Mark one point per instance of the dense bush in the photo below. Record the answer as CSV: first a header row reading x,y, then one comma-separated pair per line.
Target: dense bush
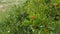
x,y
33,17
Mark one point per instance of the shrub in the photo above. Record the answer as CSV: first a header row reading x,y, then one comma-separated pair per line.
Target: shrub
x,y
33,17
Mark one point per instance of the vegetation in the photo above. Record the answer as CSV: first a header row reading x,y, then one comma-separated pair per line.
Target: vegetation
x,y
31,17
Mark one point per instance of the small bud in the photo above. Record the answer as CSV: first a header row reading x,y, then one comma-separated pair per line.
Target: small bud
x,y
32,17
46,30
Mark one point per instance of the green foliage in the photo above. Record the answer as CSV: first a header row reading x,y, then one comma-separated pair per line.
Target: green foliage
x,y
33,17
